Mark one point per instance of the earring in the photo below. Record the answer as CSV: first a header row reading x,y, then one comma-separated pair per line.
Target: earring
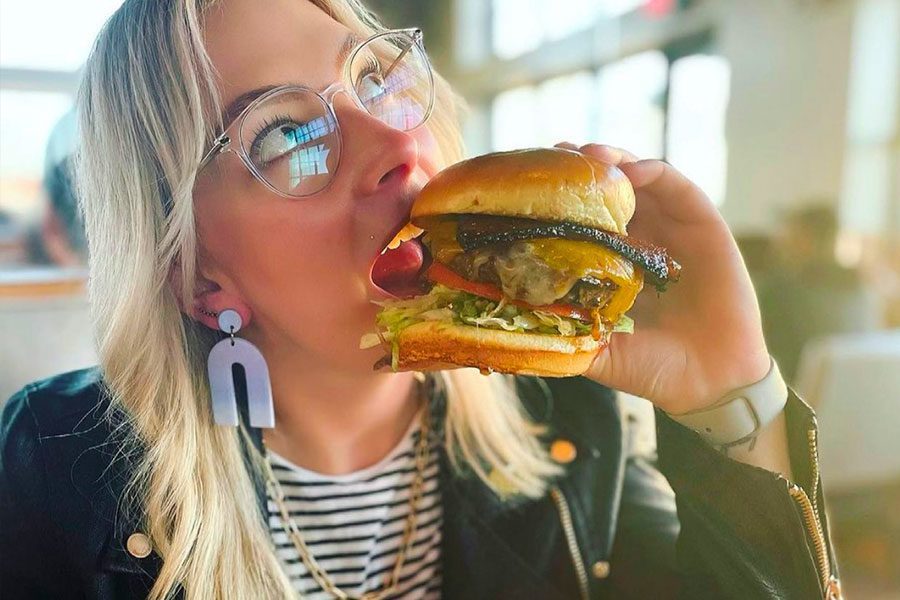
x,y
222,357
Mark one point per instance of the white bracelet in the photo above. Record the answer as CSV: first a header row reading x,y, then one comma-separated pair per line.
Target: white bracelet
x,y
742,413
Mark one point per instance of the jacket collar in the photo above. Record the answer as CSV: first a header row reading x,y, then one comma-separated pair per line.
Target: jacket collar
x,y
491,548
497,549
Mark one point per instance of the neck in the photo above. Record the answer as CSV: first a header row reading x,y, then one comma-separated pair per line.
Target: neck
x,y
335,423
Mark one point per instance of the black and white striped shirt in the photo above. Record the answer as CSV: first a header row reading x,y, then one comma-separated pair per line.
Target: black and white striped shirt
x,y
353,524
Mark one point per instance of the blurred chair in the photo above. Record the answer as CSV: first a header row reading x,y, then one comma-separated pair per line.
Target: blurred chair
x,y
758,252
806,294
46,326
853,381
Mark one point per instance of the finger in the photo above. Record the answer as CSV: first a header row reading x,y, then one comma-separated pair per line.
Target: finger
x,y
658,177
664,191
566,146
609,154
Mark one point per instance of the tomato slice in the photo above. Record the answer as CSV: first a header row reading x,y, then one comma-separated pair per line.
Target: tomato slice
x,y
439,273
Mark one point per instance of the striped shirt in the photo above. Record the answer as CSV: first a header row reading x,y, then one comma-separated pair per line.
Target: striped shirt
x,y
353,524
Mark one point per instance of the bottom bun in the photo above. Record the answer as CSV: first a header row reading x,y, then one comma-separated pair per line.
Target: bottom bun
x,y
431,345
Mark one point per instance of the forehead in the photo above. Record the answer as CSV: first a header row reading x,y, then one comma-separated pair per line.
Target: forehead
x,y
254,43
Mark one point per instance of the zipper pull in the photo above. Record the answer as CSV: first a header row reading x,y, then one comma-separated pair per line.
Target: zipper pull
x,y
833,589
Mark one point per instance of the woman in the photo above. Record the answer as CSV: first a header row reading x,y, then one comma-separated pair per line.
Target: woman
x,y
118,483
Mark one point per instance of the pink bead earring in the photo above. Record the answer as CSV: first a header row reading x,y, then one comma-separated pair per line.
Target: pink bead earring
x,y
222,357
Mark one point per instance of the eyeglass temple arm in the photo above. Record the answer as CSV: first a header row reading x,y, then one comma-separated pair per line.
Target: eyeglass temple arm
x,y
416,35
220,144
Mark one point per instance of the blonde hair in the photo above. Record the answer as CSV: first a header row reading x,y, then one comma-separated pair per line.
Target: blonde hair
x,y
148,109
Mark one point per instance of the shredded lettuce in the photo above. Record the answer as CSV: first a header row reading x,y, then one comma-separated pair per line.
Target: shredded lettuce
x,y
624,325
563,325
454,306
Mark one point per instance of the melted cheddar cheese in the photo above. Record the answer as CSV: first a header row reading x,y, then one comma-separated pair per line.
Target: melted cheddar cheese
x,y
576,259
583,259
440,237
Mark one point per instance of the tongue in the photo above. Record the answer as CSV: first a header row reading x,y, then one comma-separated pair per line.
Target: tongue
x,y
396,271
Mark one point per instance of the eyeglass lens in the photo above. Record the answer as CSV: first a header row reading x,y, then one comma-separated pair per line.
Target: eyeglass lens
x,y
292,139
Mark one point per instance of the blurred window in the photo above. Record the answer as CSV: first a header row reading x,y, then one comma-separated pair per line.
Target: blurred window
x,y
516,27
648,103
698,98
26,119
545,114
513,119
666,102
873,122
630,103
565,109
50,34
520,26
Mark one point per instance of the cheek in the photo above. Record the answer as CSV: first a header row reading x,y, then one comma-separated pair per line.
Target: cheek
x,y
429,152
273,249
295,252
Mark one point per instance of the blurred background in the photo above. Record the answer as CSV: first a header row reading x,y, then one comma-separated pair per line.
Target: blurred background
x,y
787,112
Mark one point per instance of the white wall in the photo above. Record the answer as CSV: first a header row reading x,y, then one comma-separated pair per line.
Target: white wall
x,y
787,115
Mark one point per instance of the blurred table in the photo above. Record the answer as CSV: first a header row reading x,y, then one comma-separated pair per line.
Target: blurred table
x,y
853,382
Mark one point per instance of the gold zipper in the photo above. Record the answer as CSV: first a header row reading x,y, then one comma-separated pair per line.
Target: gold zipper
x,y
814,453
810,512
565,516
814,530
808,508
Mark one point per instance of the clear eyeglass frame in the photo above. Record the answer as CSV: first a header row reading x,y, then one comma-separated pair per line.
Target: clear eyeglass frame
x,y
225,141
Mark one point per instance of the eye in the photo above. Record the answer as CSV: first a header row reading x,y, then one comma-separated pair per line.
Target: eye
x,y
370,83
276,138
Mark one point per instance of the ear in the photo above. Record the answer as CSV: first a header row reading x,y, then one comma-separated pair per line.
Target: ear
x,y
208,296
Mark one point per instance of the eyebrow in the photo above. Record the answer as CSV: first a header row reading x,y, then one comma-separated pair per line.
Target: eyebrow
x,y
237,106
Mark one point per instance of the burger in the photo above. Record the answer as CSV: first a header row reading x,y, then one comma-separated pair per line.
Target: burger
x,y
528,267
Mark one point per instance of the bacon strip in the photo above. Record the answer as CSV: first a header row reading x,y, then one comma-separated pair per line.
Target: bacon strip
x,y
478,231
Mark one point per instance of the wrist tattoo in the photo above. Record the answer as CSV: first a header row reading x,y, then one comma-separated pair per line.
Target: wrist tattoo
x,y
749,442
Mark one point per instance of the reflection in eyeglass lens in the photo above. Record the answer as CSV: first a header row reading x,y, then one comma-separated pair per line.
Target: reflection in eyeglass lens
x,y
395,101
292,140
309,161
391,80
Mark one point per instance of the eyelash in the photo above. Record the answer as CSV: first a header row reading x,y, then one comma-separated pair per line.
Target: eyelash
x,y
371,67
266,128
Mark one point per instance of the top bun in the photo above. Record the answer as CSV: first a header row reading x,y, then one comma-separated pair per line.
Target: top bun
x,y
547,184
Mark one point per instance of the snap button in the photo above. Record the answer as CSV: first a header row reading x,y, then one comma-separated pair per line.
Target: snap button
x,y
138,545
563,451
600,569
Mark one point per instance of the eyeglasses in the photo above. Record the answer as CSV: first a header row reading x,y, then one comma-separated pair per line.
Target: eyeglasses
x,y
290,139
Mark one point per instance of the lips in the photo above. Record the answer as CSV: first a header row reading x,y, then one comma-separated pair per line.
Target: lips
x,y
396,271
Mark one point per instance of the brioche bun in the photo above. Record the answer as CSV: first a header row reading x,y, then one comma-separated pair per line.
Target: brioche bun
x,y
547,184
430,345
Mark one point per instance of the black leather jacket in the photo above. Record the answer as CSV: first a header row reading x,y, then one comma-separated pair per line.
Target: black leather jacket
x,y
607,529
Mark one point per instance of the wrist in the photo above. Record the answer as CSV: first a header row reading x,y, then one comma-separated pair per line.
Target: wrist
x,y
749,370
741,413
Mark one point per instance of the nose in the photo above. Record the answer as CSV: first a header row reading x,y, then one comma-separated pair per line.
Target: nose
x,y
375,154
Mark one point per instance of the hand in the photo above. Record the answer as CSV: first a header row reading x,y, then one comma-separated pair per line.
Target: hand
x,y
702,337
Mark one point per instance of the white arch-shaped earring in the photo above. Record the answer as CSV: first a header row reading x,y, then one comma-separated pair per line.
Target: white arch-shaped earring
x,y
222,358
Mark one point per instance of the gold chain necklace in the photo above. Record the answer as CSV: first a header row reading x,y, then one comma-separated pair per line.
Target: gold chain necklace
x,y
422,456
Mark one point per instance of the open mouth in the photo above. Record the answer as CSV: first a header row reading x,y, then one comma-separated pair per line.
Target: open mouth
x,y
395,272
